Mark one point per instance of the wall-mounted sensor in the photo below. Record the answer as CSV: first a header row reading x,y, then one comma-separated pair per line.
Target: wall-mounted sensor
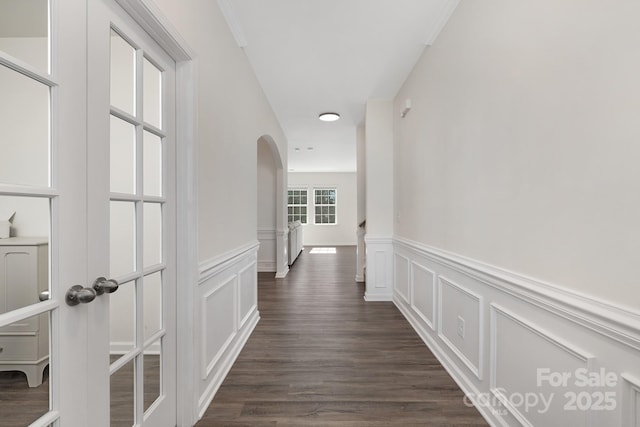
x,y
407,108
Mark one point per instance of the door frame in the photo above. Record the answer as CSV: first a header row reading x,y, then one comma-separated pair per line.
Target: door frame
x,y
148,16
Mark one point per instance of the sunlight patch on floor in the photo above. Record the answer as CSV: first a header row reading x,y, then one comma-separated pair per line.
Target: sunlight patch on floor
x,y
323,251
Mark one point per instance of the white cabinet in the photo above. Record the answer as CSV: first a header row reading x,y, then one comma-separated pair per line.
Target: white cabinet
x,y
295,240
24,275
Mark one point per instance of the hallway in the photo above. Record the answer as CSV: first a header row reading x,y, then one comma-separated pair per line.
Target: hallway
x,y
322,356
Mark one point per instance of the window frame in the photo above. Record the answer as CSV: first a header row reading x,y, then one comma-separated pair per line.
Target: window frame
x,y
298,205
321,205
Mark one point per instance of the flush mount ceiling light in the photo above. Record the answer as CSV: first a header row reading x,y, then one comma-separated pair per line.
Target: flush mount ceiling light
x,y
329,117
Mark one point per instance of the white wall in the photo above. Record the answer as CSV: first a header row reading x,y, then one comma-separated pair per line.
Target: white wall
x,y
361,174
266,208
266,188
344,232
521,148
233,113
517,192
379,167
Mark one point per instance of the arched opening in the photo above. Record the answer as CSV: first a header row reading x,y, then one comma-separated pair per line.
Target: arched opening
x,y
271,212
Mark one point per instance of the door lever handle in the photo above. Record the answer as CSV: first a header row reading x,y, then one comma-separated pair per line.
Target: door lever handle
x,y
77,294
105,286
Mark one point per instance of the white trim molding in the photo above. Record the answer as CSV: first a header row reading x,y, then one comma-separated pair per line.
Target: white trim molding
x,y
233,23
215,265
360,257
531,327
441,20
379,265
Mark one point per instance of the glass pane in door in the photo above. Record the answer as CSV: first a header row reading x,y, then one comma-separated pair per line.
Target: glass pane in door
x,y
122,396
25,32
123,238
123,74
152,234
152,167
24,129
152,94
24,251
24,371
123,156
152,373
122,320
152,304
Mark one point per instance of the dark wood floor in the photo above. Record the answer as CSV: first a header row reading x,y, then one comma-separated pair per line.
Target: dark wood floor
x,y
19,404
322,356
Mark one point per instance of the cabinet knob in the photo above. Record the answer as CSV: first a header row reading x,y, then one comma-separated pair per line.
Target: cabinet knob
x,y
77,295
43,296
105,286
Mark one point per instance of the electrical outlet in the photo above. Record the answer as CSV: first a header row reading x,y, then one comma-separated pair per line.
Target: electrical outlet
x,y
460,327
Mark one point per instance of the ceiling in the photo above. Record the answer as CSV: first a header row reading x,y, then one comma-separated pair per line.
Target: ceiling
x,y
313,56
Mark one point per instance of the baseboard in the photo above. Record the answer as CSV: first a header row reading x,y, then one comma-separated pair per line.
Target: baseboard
x,y
371,297
266,267
498,334
282,274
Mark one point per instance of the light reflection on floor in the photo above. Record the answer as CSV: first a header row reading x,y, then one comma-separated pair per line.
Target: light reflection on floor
x,y
323,251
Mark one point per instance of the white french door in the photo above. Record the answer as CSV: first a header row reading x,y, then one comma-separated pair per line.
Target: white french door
x,y
132,225
87,163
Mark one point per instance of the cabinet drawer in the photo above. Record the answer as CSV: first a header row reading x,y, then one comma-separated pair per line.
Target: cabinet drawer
x,y
18,348
25,325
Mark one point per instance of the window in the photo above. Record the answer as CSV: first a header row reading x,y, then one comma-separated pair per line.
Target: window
x,y
297,205
325,206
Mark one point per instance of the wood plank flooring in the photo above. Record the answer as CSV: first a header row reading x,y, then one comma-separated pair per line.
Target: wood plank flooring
x,y
19,404
322,356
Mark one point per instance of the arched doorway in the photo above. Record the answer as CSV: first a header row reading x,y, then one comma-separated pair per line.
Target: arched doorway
x,y
271,213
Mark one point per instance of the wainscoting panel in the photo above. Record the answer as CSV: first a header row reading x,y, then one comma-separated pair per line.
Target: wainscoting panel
x,y
541,356
631,395
379,260
401,270
516,370
423,293
248,293
219,325
267,254
460,316
228,314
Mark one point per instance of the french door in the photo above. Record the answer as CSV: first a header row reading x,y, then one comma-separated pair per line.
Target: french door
x,y
87,164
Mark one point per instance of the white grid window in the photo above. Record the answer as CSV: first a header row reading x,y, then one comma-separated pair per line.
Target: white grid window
x,y
297,205
325,206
